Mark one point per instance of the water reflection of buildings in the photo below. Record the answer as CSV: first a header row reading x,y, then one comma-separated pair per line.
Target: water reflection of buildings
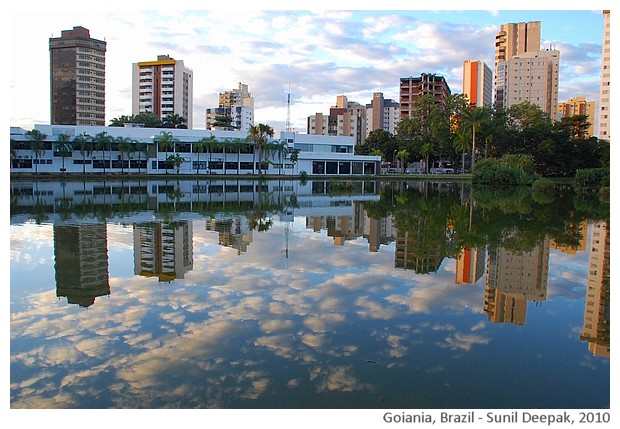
x,y
574,230
81,262
513,279
414,252
163,250
596,328
470,265
232,232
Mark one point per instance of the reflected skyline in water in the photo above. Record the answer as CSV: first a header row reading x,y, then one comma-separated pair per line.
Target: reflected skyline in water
x,y
354,296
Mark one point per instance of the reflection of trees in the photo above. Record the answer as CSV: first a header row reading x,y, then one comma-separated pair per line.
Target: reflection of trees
x,y
440,220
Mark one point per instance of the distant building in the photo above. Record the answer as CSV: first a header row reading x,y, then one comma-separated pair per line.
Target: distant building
x,y
578,106
382,114
238,104
478,83
412,88
603,115
346,118
77,78
163,87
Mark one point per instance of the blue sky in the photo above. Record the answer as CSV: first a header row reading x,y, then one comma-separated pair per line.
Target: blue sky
x,y
315,54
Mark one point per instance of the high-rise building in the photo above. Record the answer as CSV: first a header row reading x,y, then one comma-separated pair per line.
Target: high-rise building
x,y
77,78
603,114
513,39
478,83
163,87
238,104
382,114
533,77
578,106
412,88
81,262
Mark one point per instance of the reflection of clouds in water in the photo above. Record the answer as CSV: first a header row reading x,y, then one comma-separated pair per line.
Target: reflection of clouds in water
x,y
156,344
337,378
460,341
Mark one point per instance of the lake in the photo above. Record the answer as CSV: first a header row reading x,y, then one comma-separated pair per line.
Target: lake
x,y
239,294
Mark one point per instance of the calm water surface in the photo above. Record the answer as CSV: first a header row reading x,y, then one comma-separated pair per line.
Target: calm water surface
x,y
280,294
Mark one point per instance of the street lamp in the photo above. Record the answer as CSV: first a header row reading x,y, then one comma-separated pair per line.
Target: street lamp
x,y
394,158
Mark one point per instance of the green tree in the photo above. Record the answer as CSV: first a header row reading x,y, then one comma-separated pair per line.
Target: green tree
x,y
175,160
200,147
166,141
64,148
223,122
37,145
174,120
148,119
121,121
294,157
141,148
259,135
84,143
125,146
403,154
103,142
473,119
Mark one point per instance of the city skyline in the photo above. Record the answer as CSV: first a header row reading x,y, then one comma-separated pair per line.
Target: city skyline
x,y
314,55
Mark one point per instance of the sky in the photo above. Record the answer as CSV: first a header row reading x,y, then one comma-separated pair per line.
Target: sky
x,y
314,54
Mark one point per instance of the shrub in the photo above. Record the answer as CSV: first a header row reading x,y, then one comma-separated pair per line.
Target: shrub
x,y
510,170
591,179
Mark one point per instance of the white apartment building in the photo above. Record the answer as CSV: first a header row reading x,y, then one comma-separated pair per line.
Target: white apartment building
x,y
532,77
163,87
603,116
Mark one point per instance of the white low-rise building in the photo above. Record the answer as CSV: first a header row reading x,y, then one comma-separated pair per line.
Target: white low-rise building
x,y
134,149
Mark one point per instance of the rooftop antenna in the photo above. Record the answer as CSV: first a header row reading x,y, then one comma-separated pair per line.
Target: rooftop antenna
x,y
288,110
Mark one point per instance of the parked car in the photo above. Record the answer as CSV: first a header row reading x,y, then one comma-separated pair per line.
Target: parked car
x,y
442,167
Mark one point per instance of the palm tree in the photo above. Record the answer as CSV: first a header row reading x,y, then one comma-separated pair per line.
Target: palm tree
x,y
121,121
473,118
260,134
141,148
461,143
199,147
37,145
124,146
166,141
403,154
85,145
294,157
174,120
64,147
103,142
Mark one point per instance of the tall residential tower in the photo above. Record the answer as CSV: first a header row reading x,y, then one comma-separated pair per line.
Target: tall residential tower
x,y
77,78
513,39
603,114
478,83
163,87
